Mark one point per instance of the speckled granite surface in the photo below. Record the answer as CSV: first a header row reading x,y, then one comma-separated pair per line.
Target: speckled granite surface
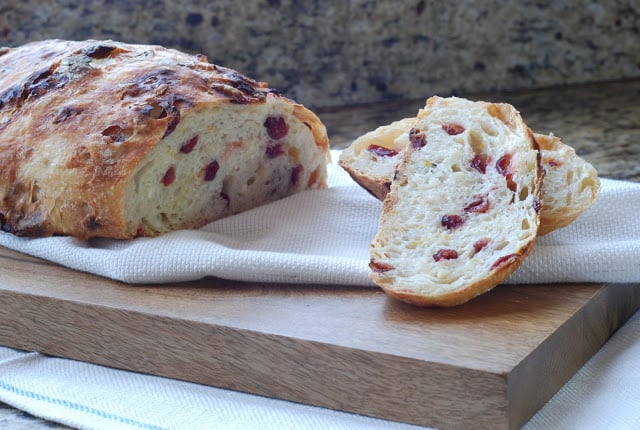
x,y
333,52
601,121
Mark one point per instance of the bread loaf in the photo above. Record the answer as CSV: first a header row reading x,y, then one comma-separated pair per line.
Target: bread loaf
x,y
463,208
107,139
570,186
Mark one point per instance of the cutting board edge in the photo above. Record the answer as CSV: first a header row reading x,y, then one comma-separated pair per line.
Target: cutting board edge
x,y
370,397
522,380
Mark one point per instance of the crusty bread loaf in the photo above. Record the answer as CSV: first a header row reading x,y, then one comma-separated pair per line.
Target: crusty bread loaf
x,y
570,186
463,209
106,139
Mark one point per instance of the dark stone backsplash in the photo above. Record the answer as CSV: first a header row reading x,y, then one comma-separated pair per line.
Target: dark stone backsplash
x,y
330,53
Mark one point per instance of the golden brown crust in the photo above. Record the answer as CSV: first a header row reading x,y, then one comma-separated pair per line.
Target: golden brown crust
x,y
378,188
460,297
77,117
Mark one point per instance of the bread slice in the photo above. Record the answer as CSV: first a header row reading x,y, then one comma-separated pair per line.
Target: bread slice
x,y
570,187
463,209
571,184
106,139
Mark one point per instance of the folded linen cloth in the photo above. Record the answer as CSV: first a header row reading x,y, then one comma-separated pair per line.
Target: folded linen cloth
x,y
604,393
323,236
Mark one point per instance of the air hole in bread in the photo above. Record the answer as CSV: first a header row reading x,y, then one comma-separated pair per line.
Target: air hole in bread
x,y
501,245
294,153
455,168
476,142
498,112
587,183
117,133
155,111
524,193
36,193
569,177
525,224
488,128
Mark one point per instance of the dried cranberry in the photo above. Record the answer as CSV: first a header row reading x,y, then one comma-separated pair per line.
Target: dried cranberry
x,y
445,254
503,163
211,170
188,146
417,139
553,163
480,244
382,151
480,205
169,176
451,221
174,119
479,162
452,129
505,258
295,174
380,267
503,167
274,149
276,126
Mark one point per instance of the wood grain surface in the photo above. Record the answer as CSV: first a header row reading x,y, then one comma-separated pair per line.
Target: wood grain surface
x,y
489,364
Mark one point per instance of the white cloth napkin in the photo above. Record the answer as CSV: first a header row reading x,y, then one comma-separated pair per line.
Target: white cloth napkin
x,y
323,236
603,394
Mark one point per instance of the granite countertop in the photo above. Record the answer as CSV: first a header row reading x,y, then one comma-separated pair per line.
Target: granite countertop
x,y
601,121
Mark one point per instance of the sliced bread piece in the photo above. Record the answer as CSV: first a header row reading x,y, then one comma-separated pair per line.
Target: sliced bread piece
x,y
463,209
570,187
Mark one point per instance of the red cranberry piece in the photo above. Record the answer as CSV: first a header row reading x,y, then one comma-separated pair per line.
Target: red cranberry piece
x,y
479,162
452,129
504,259
211,170
274,149
553,163
382,151
276,126
169,176
451,221
503,167
480,205
445,254
503,163
417,139
378,267
188,146
481,244
295,174
173,121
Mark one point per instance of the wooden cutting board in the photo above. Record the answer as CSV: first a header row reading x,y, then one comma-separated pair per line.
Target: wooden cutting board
x,y
489,364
